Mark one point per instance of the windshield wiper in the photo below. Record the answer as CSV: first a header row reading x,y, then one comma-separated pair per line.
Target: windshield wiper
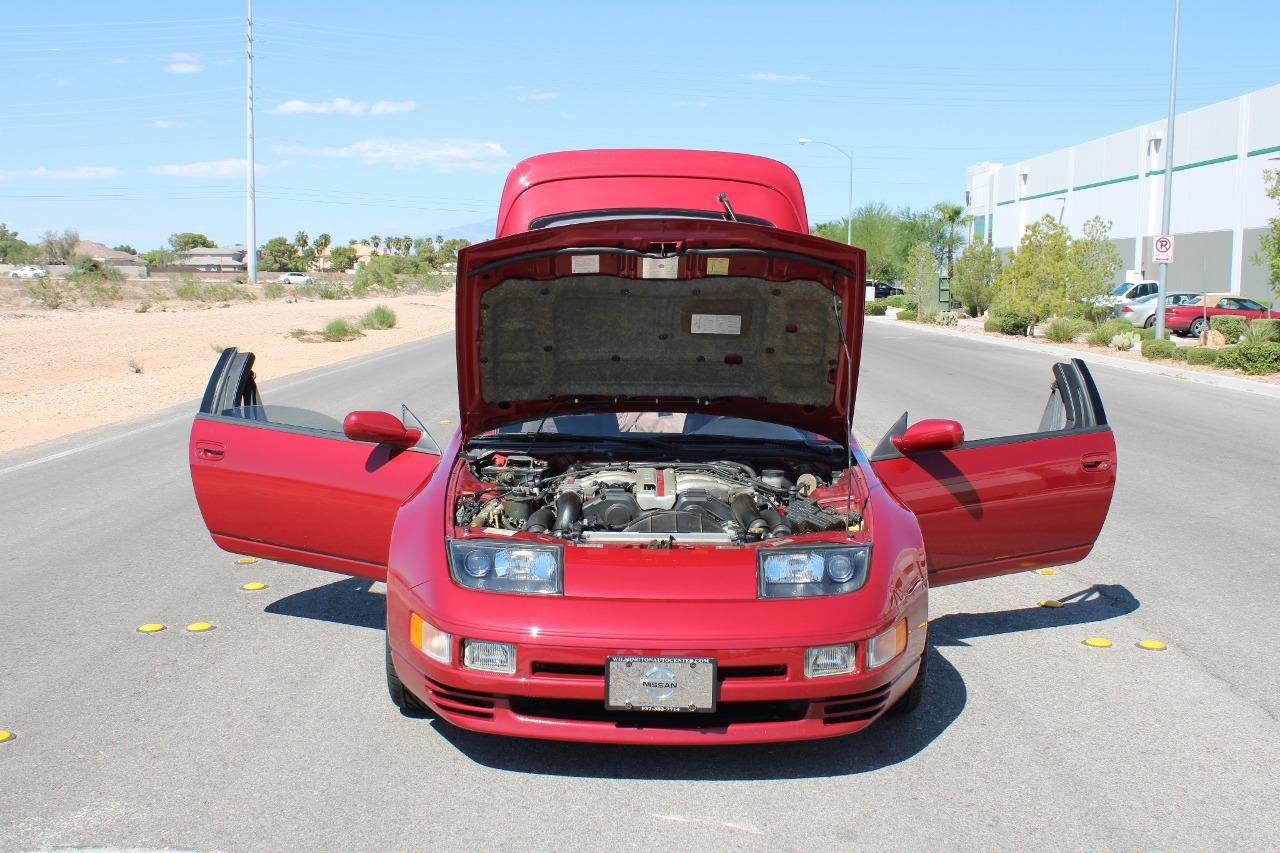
x,y
728,208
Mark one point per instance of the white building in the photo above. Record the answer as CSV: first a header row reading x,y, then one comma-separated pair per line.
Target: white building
x,y
1219,211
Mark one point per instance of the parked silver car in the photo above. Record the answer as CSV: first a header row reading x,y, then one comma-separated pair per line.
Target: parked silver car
x,y
29,272
1142,311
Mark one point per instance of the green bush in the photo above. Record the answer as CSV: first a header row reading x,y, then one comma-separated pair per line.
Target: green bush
x,y
900,300
379,317
1231,327
875,308
50,292
196,290
1201,355
1158,349
1253,359
1263,331
1146,333
340,330
906,314
948,318
991,324
1103,333
1063,330
1014,324
1180,353
273,290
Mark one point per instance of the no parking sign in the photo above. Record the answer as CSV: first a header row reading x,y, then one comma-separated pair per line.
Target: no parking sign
x,y
1162,249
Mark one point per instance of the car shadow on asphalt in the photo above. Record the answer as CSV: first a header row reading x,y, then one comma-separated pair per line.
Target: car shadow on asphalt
x,y
889,741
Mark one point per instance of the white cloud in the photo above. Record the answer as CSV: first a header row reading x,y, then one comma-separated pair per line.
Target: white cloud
x,y
184,68
76,173
443,154
343,106
538,96
207,169
383,108
166,123
778,78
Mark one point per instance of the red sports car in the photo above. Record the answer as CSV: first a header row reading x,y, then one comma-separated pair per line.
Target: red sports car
x,y
1193,318
652,525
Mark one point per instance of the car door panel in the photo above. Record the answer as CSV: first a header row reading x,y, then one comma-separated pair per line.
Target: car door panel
x,y
295,494
1004,505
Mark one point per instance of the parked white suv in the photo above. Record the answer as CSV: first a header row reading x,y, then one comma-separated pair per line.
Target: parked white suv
x,y
29,272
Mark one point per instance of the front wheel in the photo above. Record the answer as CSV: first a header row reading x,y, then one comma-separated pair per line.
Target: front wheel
x,y
911,699
1197,326
402,698
1151,321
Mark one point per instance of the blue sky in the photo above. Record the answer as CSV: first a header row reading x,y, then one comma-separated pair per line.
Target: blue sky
x,y
126,121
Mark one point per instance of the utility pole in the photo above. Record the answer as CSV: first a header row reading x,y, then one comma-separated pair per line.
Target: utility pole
x,y
1162,276
251,235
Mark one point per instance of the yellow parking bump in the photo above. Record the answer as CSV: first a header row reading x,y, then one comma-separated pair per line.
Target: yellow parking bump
x,y
1051,602
1098,642
444,420
151,628
1152,645
197,627
923,624
6,736
1046,571
253,586
244,561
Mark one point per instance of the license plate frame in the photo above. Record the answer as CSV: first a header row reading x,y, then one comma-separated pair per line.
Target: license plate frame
x,y
695,689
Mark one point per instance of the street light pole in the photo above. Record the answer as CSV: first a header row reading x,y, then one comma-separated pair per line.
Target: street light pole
x,y
1168,167
849,221
251,213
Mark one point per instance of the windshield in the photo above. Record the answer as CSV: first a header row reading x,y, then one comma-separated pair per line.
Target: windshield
x,y
657,424
1120,289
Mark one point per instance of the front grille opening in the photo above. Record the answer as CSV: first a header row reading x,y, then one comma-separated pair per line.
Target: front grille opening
x,y
722,673
726,714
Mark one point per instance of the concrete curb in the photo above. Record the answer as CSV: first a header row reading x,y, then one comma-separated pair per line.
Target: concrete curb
x,y
1233,383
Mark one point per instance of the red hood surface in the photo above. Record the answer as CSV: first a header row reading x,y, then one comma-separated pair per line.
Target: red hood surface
x,y
718,317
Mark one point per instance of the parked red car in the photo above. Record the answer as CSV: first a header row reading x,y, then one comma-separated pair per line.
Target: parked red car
x,y
1193,318
651,525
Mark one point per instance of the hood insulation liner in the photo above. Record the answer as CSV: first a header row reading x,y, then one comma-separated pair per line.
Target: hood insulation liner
x,y
702,338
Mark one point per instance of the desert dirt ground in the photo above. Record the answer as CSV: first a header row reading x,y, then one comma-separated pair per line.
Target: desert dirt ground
x,y
64,371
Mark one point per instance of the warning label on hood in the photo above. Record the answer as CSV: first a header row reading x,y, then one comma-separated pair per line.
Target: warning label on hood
x,y
716,324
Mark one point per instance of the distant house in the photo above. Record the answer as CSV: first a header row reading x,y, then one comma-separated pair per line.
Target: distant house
x,y
104,255
221,259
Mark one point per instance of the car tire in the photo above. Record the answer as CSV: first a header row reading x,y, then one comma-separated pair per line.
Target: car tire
x,y
400,697
1151,321
1197,326
911,699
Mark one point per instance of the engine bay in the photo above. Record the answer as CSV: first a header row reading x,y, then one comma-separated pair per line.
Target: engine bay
x,y
648,502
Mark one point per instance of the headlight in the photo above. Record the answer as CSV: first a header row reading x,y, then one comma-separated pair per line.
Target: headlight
x,y
506,566
804,572
887,645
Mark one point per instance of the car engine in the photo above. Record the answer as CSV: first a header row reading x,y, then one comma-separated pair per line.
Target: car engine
x,y
650,502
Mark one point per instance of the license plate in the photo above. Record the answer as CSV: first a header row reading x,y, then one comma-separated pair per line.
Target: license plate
x,y
660,684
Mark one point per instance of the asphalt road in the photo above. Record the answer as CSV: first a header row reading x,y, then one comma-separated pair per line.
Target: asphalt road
x,y
274,731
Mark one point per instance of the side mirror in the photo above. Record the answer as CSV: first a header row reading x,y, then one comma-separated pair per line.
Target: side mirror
x,y
929,434
379,428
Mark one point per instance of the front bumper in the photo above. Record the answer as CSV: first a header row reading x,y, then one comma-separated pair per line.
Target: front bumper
x,y
558,693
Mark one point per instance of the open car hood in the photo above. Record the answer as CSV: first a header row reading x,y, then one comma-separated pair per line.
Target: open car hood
x,y
668,314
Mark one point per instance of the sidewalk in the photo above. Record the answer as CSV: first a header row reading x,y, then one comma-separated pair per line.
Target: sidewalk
x,y
1234,383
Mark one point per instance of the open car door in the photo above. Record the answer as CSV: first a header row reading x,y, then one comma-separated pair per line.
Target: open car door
x,y
288,485
1002,505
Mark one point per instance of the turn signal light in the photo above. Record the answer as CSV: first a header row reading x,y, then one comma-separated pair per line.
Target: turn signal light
x,y
887,645
429,639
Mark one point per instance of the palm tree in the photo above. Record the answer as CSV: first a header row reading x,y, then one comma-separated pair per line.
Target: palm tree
x,y
375,241
301,240
952,217
322,244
